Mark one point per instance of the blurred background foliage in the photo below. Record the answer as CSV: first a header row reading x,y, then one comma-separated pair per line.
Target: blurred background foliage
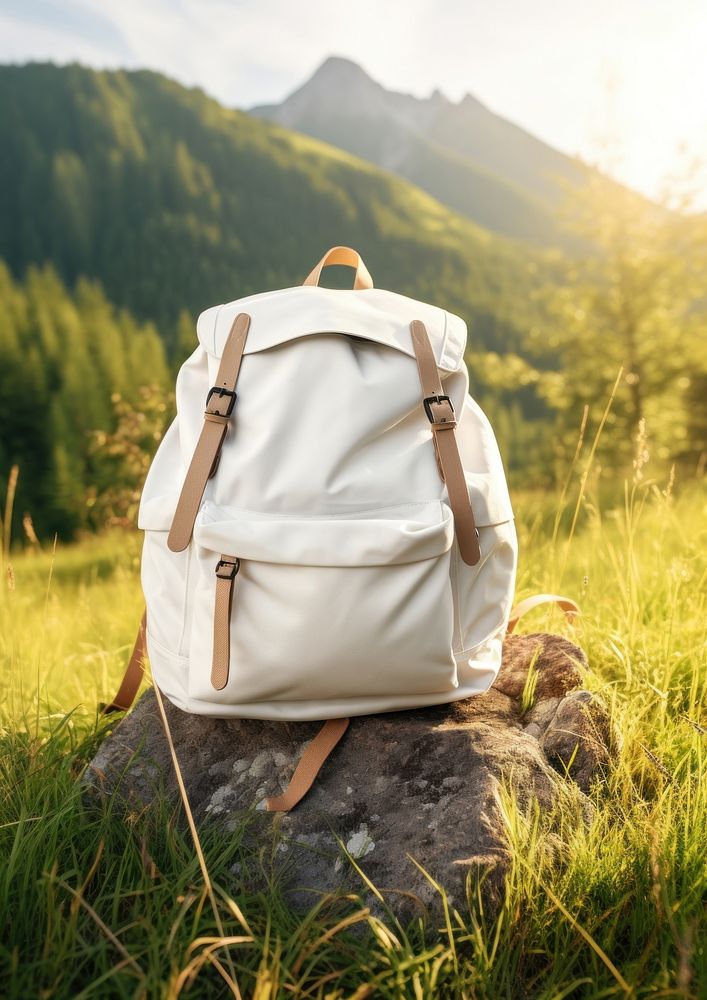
x,y
129,203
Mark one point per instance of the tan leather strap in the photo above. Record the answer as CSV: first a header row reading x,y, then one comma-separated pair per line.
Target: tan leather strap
x,y
226,570
309,766
348,258
219,407
133,675
523,607
440,413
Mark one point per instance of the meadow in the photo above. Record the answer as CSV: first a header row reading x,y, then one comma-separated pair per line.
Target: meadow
x,y
96,904
130,203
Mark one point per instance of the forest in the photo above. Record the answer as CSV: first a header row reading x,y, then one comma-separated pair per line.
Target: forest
x,y
129,203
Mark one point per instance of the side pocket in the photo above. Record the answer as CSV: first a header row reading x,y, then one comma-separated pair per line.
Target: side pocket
x,y
484,593
169,671
165,584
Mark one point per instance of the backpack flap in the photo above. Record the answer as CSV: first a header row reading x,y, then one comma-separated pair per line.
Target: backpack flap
x,y
374,314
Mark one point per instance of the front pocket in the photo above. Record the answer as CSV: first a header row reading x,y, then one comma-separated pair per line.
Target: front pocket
x,y
327,607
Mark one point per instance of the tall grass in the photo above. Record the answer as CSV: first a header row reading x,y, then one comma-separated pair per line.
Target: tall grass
x,y
96,905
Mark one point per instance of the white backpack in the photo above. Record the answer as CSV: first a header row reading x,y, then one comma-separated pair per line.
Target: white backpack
x,y
328,530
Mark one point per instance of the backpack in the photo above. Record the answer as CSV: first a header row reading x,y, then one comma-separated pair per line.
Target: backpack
x,y
328,529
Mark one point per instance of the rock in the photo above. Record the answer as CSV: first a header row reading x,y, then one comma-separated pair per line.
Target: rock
x,y
422,784
559,665
579,740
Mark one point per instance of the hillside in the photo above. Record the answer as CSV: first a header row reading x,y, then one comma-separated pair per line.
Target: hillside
x,y
471,159
175,202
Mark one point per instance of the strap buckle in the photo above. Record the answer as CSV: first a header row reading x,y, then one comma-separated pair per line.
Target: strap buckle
x,y
449,421
221,391
226,569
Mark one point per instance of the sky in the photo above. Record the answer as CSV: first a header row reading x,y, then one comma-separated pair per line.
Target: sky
x,y
622,83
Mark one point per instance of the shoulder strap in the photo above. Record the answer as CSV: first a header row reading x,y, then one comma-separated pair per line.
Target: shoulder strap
x,y
219,406
523,607
440,414
133,675
309,766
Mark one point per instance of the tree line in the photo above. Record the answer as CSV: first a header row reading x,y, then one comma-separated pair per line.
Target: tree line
x,y
66,360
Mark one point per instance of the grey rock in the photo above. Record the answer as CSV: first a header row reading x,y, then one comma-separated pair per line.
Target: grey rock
x,y
580,740
540,715
420,785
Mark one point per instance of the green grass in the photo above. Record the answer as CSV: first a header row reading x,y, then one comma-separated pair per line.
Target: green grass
x,y
94,905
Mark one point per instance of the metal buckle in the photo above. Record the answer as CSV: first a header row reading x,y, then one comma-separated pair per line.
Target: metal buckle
x,y
427,402
226,569
221,391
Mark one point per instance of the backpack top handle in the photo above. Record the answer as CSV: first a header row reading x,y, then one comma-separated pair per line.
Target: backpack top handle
x,y
348,258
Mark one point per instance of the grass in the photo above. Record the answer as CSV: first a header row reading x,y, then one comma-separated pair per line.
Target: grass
x,y
94,905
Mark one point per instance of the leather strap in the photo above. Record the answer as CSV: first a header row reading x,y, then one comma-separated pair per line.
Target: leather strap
x,y
523,607
226,570
309,766
219,407
440,413
133,675
348,258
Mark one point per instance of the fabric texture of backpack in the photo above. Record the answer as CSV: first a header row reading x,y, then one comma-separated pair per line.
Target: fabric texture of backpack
x,y
328,530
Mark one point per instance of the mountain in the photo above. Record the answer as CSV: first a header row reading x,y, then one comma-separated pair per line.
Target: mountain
x,y
471,159
174,202
167,203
